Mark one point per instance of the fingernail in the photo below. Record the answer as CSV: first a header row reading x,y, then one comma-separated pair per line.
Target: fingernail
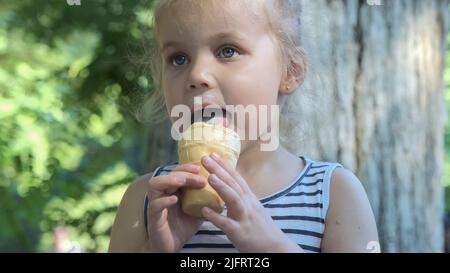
x,y
215,156
207,160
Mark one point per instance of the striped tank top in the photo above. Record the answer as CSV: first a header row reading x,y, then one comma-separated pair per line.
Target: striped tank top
x,y
299,210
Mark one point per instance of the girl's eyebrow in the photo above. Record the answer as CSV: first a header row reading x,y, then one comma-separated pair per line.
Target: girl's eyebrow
x,y
234,35
170,44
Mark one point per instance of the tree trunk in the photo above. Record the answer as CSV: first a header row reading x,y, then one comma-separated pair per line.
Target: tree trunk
x,y
377,72
374,99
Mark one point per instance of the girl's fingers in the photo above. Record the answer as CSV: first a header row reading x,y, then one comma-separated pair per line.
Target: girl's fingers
x,y
232,199
213,167
231,171
157,206
226,224
169,184
191,168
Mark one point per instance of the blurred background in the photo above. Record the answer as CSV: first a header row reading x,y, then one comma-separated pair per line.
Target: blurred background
x,y
69,141
72,76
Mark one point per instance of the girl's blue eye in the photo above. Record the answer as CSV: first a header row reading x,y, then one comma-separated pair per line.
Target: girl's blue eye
x,y
178,60
228,52
225,52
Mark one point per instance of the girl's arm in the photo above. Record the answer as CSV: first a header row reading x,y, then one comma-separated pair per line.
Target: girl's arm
x,y
128,232
350,223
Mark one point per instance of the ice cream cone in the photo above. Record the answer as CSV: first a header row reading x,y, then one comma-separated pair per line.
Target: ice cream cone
x,y
199,140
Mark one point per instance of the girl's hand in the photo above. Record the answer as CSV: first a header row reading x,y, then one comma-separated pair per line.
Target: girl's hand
x,y
169,227
247,224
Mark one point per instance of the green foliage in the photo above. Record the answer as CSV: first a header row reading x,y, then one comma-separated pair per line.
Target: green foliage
x,y
69,143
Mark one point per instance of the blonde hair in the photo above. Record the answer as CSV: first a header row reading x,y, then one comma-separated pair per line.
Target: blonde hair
x,y
283,23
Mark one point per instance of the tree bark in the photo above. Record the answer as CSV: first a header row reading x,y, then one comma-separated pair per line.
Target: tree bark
x,y
377,75
374,102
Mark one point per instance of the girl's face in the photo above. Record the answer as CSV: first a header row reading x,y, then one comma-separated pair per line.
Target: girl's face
x,y
226,56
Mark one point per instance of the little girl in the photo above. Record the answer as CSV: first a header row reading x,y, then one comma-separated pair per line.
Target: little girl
x,y
243,52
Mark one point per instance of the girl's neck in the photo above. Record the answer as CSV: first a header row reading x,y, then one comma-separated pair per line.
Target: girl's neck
x,y
268,171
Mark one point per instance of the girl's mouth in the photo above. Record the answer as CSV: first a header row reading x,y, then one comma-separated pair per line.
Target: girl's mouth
x,y
211,116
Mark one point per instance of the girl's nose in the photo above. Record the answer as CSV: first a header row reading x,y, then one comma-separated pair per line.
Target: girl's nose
x,y
197,85
200,78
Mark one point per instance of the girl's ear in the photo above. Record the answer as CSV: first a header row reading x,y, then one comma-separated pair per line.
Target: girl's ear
x,y
294,75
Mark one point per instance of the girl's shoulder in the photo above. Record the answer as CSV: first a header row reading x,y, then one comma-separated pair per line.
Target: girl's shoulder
x,y
350,216
334,173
